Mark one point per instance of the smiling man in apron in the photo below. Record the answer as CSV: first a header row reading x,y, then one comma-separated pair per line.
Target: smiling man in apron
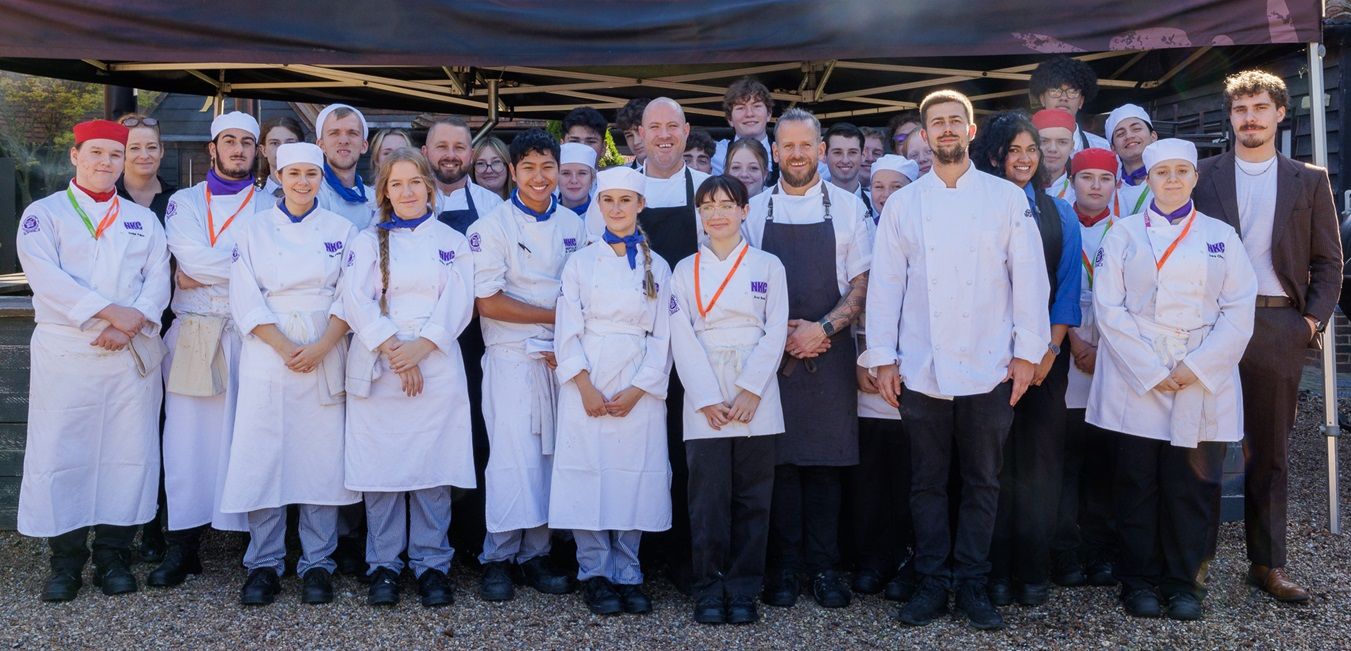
x,y
818,230
99,269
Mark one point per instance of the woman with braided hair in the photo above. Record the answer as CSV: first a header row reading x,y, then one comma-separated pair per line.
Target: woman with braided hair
x,y
611,474
408,292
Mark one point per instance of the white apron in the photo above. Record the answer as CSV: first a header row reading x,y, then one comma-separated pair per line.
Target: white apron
x,y
1090,239
519,406
612,473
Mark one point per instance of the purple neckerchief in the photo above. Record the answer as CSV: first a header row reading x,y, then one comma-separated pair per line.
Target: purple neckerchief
x,y
1135,178
1174,216
220,186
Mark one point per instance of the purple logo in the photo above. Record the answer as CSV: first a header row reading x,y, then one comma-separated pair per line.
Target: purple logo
x,y
447,257
1215,248
171,210
1028,214
474,241
132,226
333,248
30,224
570,244
1097,259
234,253
351,258
675,305
759,287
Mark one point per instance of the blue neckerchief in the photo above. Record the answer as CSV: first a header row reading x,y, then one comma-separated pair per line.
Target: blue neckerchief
x,y
630,243
1172,217
1135,178
581,210
395,221
539,216
281,204
349,195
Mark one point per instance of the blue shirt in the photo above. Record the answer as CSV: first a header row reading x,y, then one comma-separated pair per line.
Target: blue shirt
x,y
1065,306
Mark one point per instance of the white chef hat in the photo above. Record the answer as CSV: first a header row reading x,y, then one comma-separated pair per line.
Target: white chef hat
x,y
234,120
300,152
900,164
1169,149
323,115
1125,112
621,178
576,152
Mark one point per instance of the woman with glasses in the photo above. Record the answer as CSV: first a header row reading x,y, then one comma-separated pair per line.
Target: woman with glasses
x,y
140,180
490,166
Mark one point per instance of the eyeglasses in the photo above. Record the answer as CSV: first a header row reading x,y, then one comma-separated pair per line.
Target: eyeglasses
x,y
139,122
1066,93
723,207
484,166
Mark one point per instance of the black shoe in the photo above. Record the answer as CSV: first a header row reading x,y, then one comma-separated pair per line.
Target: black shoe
x,y
1184,606
152,548
496,584
114,578
261,588
899,588
601,597
178,563
781,589
1069,574
1141,603
1100,574
830,590
62,585
1000,591
350,557
435,588
867,582
633,599
384,590
929,603
318,586
1032,594
541,577
974,601
742,610
709,610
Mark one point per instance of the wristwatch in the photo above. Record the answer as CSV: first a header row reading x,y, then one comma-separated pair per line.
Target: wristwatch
x,y
828,327
1055,350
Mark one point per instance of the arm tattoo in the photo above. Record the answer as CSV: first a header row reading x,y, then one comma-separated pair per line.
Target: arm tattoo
x,y
850,306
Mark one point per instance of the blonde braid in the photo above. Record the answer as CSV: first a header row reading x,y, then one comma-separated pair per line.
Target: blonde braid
x,y
649,283
383,234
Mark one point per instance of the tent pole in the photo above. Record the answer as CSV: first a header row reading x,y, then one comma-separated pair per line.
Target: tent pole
x,y
1331,429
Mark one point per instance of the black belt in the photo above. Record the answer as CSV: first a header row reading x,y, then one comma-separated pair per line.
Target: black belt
x,y
1274,301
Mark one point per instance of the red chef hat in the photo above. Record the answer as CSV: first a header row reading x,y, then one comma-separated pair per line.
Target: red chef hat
x,y
1094,158
96,129
1052,118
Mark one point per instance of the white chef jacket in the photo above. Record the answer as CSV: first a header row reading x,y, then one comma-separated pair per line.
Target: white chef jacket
x,y
485,200
657,193
185,224
360,214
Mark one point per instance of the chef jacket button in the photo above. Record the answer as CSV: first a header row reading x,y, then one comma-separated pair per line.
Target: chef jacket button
x,y
969,282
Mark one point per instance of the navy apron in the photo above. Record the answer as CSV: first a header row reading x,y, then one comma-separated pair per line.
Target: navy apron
x,y
819,395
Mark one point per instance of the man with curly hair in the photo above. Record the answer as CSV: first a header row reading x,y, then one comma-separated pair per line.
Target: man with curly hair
x,y
1067,84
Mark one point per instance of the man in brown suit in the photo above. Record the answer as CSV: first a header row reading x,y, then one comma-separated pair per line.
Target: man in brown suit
x,y
1283,211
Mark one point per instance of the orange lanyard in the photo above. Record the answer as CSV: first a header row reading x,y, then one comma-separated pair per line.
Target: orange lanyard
x,y
1158,266
698,295
211,223
1064,187
108,217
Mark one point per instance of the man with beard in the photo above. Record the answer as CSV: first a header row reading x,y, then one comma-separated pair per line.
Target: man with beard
x,y
960,249
459,203
199,411
1284,212
342,135
821,233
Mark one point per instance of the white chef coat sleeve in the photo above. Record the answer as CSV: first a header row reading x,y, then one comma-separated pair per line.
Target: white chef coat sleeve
x,y
1214,361
246,298
1117,330
361,292
569,323
36,245
886,289
455,305
753,229
691,360
859,258
337,309
191,244
154,296
1030,285
654,375
763,362
488,245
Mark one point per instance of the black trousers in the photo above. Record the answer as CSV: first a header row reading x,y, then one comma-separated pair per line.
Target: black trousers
x,y
804,519
469,526
70,550
731,485
972,428
671,548
1168,513
1030,481
878,495
1085,528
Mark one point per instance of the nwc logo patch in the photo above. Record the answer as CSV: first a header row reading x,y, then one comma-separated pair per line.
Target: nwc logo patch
x,y
447,257
333,248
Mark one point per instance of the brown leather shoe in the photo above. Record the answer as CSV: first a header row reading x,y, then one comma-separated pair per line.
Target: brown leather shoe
x,y
1275,582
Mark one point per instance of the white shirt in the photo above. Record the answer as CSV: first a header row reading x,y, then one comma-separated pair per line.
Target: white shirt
x,y
967,265
1062,188
853,246
522,258
720,154
1094,140
658,193
186,226
1256,184
485,200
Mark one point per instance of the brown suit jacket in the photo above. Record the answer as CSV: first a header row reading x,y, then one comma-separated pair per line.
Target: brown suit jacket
x,y
1306,245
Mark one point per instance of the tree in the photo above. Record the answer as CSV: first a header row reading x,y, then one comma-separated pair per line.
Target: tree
x,y
36,114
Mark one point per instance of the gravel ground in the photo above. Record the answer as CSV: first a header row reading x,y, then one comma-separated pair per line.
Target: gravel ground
x,y
203,613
